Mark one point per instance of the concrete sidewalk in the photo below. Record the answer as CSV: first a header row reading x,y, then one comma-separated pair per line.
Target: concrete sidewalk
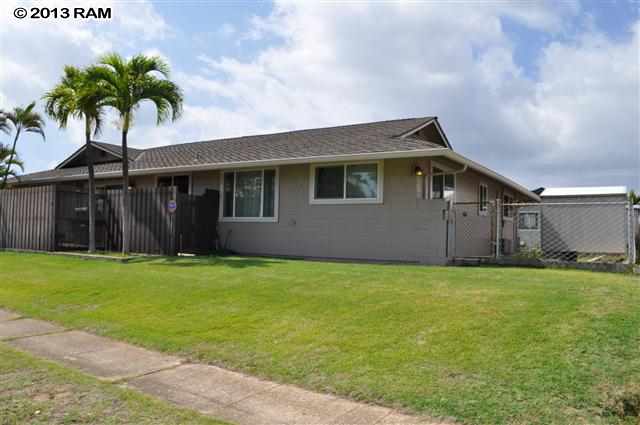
x,y
210,390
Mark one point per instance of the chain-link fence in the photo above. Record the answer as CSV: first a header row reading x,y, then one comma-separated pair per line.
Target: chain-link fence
x,y
589,232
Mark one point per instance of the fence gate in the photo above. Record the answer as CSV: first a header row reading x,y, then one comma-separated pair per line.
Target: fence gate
x,y
588,232
196,219
153,228
475,229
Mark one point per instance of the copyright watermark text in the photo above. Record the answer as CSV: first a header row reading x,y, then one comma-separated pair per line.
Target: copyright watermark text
x,y
62,13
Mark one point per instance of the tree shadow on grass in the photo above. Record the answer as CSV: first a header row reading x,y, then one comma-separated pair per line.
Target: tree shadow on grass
x,y
214,261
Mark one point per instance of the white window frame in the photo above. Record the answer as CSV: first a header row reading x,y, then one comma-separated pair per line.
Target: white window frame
x,y
190,175
483,207
444,173
537,213
344,200
260,219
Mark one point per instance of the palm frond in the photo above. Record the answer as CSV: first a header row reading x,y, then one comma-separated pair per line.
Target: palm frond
x,y
4,123
165,95
127,84
26,119
78,95
141,65
7,159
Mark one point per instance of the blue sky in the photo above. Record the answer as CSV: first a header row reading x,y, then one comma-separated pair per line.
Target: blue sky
x,y
544,92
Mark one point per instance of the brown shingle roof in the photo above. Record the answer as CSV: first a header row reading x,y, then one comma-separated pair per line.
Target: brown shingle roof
x,y
375,137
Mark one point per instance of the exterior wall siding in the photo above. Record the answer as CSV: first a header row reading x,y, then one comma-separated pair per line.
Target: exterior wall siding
x,y
402,228
474,231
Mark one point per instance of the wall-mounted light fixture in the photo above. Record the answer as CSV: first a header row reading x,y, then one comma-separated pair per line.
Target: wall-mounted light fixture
x,y
418,171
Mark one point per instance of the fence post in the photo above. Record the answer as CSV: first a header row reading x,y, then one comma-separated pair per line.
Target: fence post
x,y
174,228
631,244
498,226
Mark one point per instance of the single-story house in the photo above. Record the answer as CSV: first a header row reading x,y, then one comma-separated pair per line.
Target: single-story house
x,y
376,191
573,221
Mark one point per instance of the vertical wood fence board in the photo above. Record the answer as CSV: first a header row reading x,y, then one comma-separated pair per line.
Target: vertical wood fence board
x,y
48,218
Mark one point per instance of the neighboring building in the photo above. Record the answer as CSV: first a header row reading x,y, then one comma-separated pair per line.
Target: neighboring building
x,y
375,191
585,194
576,220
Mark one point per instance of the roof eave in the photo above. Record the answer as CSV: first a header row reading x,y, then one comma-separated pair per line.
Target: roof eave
x,y
417,153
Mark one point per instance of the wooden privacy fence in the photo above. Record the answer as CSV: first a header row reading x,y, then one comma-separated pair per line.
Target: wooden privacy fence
x,y
27,218
63,215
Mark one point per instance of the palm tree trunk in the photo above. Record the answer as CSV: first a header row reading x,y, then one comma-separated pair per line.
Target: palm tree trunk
x,y
92,188
13,152
125,188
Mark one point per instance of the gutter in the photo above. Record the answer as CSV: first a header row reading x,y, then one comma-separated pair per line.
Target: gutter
x,y
416,153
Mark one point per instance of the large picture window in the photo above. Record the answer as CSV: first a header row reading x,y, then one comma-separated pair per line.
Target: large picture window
x,y
249,195
346,183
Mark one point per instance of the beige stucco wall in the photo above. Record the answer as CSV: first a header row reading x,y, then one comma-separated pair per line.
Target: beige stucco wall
x,y
402,228
474,231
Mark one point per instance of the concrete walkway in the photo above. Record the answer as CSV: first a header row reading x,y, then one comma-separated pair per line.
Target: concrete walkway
x,y
210,390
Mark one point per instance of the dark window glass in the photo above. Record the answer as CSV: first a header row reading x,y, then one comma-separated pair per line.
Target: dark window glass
x,y
483,198
330,182
228,194
268,201
248,193
182,183
362,181
437,187
449,186
164,181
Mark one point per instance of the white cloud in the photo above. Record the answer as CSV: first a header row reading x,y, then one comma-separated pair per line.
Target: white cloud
x,y
34,53
357,61
575,122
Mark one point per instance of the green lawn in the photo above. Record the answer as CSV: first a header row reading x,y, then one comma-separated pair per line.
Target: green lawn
x,y
34,391
482,345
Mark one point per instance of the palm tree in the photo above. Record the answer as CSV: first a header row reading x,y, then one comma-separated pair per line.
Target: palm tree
x,y
22,119
77,96
7,160
4,124
129,83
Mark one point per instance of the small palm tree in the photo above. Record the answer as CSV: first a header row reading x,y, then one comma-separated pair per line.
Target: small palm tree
x,y
4,124
127,84
78,96
8,160
22,119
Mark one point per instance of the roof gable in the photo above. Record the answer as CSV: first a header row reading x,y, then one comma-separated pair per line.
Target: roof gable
x,y
430,131
104,153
